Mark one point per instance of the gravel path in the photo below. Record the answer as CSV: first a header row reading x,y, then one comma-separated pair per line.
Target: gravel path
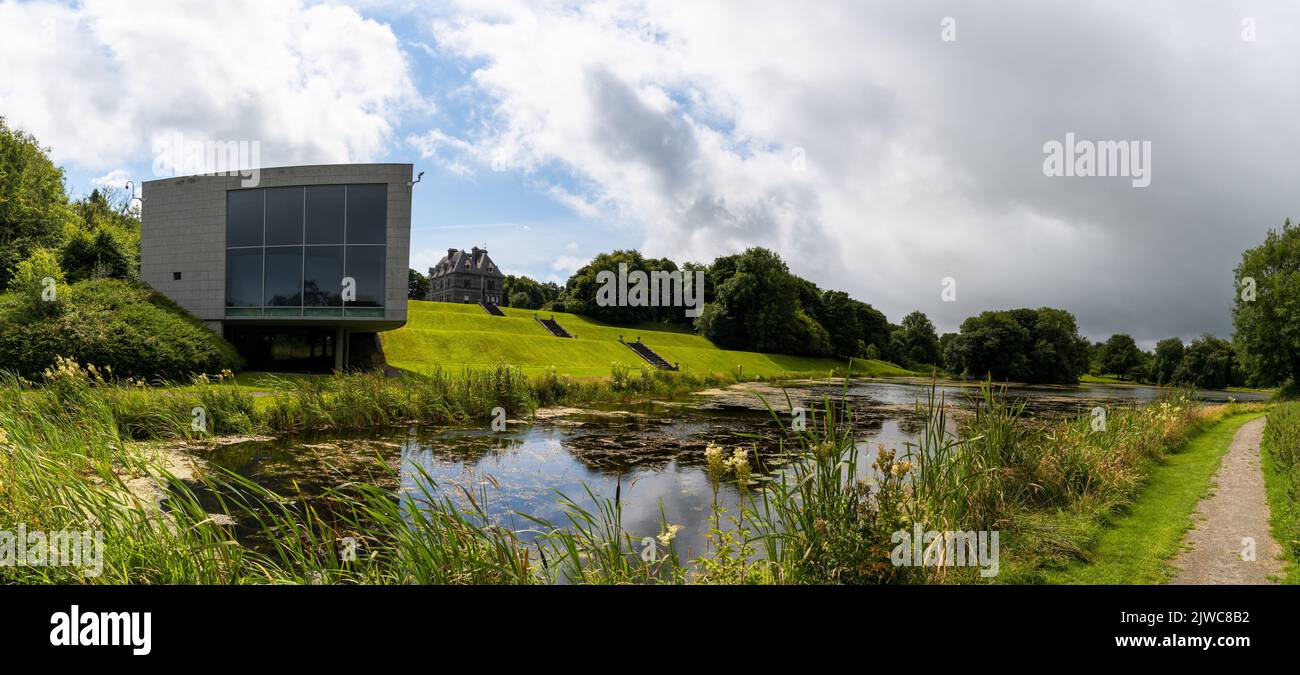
x,y
1237,509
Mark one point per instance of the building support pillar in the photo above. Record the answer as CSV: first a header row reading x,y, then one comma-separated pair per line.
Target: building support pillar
x,y
340,348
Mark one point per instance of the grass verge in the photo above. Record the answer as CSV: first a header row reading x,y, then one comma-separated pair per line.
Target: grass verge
x,y
1136,547
1279,453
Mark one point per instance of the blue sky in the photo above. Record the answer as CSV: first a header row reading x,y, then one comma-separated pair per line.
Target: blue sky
x,y
525,229
873,149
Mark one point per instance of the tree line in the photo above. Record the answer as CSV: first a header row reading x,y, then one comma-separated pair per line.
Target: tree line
x,y
96,236
753,302
96,311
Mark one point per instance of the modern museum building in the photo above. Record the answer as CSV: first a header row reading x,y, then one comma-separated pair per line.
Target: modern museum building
x,y
299,271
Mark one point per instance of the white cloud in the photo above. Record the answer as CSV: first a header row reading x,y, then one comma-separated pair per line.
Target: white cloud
x,y
100,82
569,264
116,179
917,159
447,150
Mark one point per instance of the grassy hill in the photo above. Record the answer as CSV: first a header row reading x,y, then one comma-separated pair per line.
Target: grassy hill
x,y
454,335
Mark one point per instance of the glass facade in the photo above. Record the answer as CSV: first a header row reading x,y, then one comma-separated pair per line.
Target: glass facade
x,y
298,251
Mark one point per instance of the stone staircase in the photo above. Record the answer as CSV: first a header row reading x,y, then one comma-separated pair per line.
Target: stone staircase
x,y
491,308
554,326
648,354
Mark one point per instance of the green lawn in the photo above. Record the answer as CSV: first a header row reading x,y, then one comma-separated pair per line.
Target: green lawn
x,y
1105,379
1115,379
1137,547
455,335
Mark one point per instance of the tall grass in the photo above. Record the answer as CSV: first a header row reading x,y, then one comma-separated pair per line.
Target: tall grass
x,y
338,402
1281,459
822,521
68,462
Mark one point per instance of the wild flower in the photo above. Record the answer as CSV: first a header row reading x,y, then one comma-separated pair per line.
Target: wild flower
x,y
715,464
739,465
669,534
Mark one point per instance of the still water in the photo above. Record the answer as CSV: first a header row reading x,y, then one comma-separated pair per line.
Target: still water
x,y
652,454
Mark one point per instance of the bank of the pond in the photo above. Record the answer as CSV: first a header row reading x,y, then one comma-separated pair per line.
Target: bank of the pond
x,y
1135,543
70,458
1280,461
228,405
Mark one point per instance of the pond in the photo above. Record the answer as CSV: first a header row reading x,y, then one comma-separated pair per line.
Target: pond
x,y
652,454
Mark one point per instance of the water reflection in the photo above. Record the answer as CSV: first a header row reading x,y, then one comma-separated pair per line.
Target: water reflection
x,y
654,451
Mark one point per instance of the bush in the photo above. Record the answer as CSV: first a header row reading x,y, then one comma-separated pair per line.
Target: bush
x,y
1281,448
36,283
123,327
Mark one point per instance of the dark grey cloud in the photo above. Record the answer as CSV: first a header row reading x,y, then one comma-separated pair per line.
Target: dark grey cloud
x,y
924,157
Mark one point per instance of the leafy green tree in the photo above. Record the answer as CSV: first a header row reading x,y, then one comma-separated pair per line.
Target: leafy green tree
x,y
1095,351
760,297
580,292
949,344
853,325
1266,316
34,211
810,297
1023,345
97,255
417,285
873,327
1058,353
840,318
38,282
1208,363
1120,356
526,293
1168,356
994,345
915,341
111,212
1249,372
757,307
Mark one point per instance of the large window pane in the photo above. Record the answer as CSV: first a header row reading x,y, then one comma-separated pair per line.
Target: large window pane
x,y
283,216
365,264
283,276
325,214
368,214
244,277
323,279
244,218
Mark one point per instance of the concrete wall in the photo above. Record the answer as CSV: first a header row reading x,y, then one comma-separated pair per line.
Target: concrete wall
x,y
183,229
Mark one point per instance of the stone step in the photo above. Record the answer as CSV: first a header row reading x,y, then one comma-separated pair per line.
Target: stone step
x,y
553,326
648,354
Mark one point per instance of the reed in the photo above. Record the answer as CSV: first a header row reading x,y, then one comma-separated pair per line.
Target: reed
x,y
1280,448
69,461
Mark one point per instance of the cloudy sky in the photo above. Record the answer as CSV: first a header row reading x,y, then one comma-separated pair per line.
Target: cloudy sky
x,y
879,146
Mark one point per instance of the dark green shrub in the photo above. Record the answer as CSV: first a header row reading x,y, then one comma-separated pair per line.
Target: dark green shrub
x,y
123,327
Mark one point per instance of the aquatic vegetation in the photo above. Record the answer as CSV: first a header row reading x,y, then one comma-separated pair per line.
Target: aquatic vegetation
x,y
69,461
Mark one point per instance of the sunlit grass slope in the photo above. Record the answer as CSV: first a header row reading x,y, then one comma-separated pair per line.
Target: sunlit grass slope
x,y
454,336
